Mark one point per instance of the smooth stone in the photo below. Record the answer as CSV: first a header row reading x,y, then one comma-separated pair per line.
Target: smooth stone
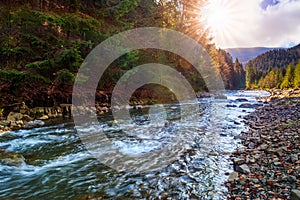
x,y
44,117
263,146
34,124
248,105
243,169
213,154
13,116
241,100
231,106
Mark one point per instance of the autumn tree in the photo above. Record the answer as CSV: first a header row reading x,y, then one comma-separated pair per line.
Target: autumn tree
x,y
288,78
297,76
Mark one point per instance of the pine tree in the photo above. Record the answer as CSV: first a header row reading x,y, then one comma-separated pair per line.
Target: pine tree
x,y
250,75
297,76
288,78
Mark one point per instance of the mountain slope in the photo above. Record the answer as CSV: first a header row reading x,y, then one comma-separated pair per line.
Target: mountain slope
x,y
244,55
279,58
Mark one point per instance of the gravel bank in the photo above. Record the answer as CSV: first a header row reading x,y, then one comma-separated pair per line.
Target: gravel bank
x,y
267,164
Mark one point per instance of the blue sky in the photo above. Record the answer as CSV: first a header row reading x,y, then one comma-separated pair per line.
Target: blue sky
x,y
264,4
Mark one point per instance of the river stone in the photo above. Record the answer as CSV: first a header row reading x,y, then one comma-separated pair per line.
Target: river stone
x,y
34,124
234,176
241,100
243,169
295,195
294,157
231,106
238,161
248,105
263,146
5,123
13,116
44,117
11,159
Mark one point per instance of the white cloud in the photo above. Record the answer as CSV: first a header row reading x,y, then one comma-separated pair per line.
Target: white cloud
x,y
251,26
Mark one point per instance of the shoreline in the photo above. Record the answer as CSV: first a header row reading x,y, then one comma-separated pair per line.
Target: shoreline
x,y
267,163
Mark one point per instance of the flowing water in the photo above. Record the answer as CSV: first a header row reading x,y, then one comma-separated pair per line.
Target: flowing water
x,y
58,166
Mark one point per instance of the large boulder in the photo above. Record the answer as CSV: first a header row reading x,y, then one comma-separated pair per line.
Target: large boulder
x,y
14,116
11,159
34,124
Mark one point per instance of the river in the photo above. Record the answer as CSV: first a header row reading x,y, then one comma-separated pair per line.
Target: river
x,y
58,166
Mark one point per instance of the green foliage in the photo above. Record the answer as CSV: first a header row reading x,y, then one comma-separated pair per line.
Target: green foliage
x,y
71,59
129,60
288,78
122,7
250,75
1,112
297,76
271,80
64,76
276,58
21,77
238,75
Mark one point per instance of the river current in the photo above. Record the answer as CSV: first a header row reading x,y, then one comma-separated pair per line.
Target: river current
x,y
58,166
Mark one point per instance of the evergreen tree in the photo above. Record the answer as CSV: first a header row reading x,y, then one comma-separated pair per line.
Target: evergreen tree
x,y
297,76
250,75
288,78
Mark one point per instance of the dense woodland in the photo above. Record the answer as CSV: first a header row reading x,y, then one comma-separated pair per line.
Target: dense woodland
x,y
275,69
43,43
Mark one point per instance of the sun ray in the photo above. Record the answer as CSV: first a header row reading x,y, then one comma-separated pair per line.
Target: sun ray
x,y
221,17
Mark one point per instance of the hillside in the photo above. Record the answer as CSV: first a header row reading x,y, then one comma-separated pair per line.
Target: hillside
x,y
244,55
43,43
279,58
275,69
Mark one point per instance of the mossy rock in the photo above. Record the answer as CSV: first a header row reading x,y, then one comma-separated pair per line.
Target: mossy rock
x,y
11,159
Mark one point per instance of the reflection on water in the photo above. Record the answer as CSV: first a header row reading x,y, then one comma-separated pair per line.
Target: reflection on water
x,y
59,167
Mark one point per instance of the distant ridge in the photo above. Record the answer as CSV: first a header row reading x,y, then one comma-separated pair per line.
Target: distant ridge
x,y
279,58
246,54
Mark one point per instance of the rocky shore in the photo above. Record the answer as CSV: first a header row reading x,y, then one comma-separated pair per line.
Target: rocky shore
x,y
267,164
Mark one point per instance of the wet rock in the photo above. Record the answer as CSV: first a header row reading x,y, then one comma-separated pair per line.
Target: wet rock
x,y
10,158
231,106
243,169
220,96
213,153
248,105
241,100
34,124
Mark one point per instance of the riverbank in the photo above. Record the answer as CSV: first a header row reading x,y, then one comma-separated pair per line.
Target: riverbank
x,y
267,164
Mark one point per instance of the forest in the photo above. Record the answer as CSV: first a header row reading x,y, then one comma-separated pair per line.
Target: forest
x,y
43,43
274,69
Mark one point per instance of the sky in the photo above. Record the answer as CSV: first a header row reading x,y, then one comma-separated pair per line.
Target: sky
x,y
256,23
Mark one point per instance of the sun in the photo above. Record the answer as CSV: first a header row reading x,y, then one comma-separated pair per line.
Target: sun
x,y
220,17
